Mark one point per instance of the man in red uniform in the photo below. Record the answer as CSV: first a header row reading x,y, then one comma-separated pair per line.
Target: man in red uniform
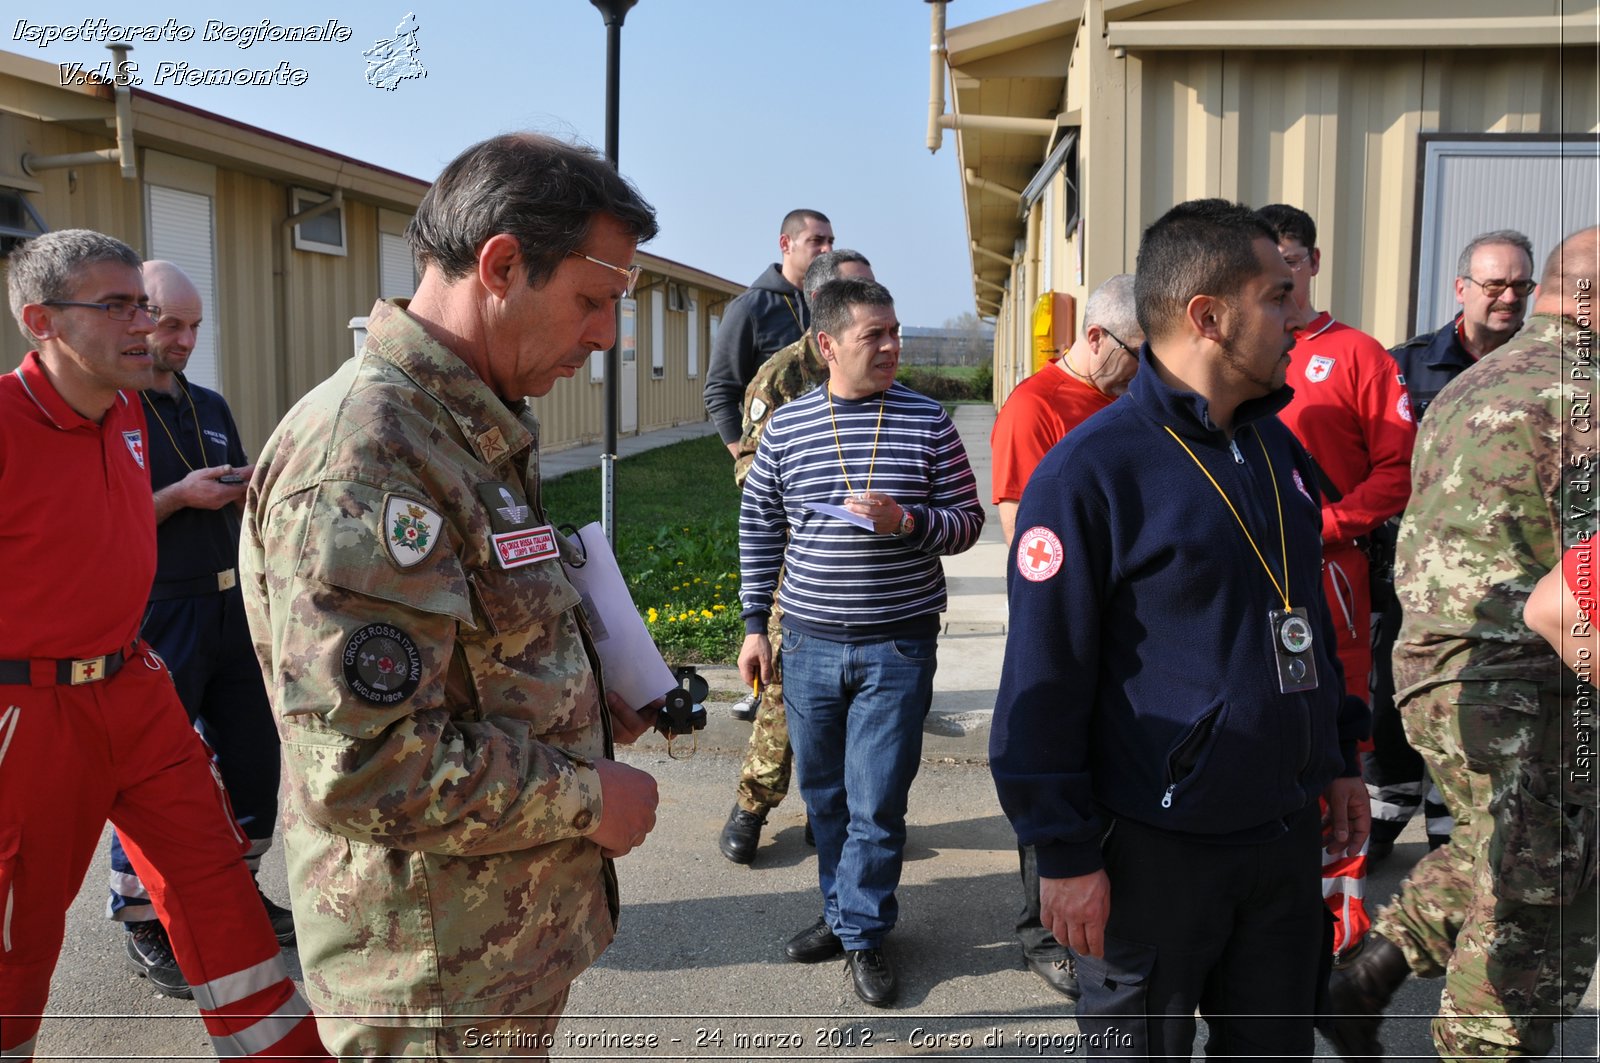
x,y
90,724
1351,412
1052,402
1039,412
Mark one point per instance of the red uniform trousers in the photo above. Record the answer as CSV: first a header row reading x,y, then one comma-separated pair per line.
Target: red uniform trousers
x,y
122,748
1344,582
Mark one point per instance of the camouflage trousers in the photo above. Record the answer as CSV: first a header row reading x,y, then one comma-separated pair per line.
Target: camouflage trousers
x,y
764,776
525,1036
1489,911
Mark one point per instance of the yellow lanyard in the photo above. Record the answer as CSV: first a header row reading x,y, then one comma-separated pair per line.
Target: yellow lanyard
x,y
839,450
204,460
794,314
1282,548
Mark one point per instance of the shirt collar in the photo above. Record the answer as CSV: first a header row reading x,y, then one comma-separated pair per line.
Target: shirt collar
x,y
1187,412
49,402
489,424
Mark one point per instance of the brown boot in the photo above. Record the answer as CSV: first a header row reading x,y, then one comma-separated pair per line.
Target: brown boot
x,y
1358,992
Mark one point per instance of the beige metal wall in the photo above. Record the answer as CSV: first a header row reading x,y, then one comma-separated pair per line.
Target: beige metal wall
x,y
573,414
1335,133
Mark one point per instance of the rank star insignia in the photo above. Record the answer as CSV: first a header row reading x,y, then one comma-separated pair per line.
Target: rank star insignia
x,y
410,530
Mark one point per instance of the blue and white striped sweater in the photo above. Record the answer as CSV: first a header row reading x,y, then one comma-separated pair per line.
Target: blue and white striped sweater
x,y
841,581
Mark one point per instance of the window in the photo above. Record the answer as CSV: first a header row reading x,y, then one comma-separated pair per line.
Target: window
x,y
694,339
658,335
397,273
180,230
324,233
18,220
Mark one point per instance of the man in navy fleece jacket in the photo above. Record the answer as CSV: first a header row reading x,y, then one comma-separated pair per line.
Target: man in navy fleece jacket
x,y
1162,733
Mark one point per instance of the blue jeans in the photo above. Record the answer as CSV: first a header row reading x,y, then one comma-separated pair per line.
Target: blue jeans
x,y
855,723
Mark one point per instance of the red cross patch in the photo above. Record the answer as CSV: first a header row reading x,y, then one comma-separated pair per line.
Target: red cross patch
x,y
1038,554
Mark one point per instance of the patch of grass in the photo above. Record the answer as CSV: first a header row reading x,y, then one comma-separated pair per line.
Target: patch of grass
x,y
677,543
950,383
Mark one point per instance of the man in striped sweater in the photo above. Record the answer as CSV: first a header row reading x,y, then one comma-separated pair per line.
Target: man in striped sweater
x,y
856,490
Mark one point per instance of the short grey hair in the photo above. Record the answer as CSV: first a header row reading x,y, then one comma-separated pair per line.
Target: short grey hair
x,y
1489,239
47,266
1112,307
825,268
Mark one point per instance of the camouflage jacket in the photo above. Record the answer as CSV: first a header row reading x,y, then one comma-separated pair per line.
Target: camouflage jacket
x,y
1501,484
790,373
438,701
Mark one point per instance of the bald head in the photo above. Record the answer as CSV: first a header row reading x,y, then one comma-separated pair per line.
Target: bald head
x,y
1570,275
173,341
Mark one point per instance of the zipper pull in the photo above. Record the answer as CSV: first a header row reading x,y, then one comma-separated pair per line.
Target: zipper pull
x,y
1238,458
1166,798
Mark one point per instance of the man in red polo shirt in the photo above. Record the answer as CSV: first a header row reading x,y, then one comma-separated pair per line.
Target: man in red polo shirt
x,y
90,724
1351,412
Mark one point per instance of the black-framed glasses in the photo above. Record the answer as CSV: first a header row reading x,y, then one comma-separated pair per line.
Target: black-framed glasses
x,y
116,309
1114,338
630,275
1492,289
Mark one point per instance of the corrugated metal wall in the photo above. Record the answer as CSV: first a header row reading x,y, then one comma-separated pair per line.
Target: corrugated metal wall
x,y
1336,133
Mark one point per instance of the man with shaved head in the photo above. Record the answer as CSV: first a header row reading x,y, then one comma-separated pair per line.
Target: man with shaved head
x,y
195,617
1501,485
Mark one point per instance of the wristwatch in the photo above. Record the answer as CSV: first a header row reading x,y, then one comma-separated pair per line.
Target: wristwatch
x,y
908,523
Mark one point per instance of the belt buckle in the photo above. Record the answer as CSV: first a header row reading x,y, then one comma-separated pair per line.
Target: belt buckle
x,y
227,579
88,670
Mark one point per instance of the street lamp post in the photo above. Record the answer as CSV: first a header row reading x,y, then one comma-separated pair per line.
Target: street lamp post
x,y
613,11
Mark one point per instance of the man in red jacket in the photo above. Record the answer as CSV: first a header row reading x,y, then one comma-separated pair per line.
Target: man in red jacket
x,y
90,723
1351,412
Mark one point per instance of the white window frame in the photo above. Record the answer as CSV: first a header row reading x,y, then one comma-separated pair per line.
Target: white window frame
x,y
304,199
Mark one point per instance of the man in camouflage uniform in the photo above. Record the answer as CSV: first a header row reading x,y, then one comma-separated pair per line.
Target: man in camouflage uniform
x,y
1501,483
452,809
792,372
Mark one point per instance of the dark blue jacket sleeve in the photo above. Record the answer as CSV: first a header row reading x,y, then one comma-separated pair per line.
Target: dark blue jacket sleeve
x,y
1049,686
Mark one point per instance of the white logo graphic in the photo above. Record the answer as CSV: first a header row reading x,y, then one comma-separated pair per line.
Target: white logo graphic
x,y
135,440
1038,554
1403,407
1317,371
395,60
410,530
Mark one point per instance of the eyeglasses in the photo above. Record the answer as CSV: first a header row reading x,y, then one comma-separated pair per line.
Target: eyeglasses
x,y
1119,343
1493,288
630,275
116,310
1297,263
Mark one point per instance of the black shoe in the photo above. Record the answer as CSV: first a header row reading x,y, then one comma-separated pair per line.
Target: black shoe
x,y
150,956
281,918
872,976
740,835
814,944
1358,992
1059,975
745,708
811,839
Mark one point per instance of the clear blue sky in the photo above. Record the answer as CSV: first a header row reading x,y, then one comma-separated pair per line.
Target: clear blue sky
x,y
732,113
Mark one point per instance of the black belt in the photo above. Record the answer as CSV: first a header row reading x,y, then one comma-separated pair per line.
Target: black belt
x,y
215,583
43,672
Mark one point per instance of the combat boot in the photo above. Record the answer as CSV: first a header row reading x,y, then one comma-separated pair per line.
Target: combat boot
x,y
1358,992
741,834
150,956
281,918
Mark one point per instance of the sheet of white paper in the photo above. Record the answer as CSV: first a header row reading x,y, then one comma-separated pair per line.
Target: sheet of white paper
x,y
858,519
633,666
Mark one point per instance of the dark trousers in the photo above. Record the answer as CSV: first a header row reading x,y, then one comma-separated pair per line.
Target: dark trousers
x,y
205,641
1395,774
1037,942
1238,931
